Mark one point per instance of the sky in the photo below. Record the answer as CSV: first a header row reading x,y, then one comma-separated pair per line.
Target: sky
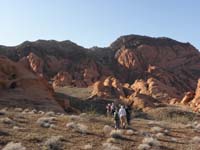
x,y
98,22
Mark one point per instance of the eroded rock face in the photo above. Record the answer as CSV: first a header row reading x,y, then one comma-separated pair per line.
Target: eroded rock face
x,y
62,79
109,87
21,88
196,100
160,68
36,63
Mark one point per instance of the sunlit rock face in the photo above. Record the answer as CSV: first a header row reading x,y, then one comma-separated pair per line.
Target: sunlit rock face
x,y
158,68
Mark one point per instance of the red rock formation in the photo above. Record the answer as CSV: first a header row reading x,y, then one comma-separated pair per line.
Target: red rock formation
x,y
62,79
36,63
196,101
22,88
160,68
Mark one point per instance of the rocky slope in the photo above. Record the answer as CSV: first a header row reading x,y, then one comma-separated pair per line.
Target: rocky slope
x,y
20,87
159,69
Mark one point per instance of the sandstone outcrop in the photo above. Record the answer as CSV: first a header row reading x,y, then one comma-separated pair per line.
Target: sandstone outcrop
x,y
22,88
159,68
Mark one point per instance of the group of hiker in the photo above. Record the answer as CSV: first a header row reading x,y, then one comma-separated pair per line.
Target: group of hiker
x,y
121,115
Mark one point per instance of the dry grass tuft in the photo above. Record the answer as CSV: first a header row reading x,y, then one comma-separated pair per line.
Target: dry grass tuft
x,y
78,127
7,121
156,129
111,140
88,146
107,129
18,109
46,121
159,135
195,139
109,146
151,141
54,143
50,114
116,134
144,147
74,118
129,132
14,146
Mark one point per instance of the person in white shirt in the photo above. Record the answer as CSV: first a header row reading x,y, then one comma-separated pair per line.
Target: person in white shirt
x,y
122,116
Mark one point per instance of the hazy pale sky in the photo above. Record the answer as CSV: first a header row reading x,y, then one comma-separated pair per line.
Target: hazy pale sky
x,y
98,22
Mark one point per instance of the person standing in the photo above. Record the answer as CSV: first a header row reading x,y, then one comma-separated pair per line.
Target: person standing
x,y
108,110
116,119
128,114
122,115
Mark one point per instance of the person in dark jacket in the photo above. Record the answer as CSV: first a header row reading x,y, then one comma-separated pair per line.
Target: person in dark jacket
x,y
116,119
128,114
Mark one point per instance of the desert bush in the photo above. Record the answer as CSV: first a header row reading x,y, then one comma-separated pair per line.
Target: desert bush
x,y
172,114
111,140
82,128
144,147
14,146
83,115
151,141
26,110
197,126
173,139
46,121
18,109
88,146
2,112
129,132
74,118
41,112
71,125
116,134
54,143
50,114
156,129
107,129
195,139
78,127
109,146
159,135
7,121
